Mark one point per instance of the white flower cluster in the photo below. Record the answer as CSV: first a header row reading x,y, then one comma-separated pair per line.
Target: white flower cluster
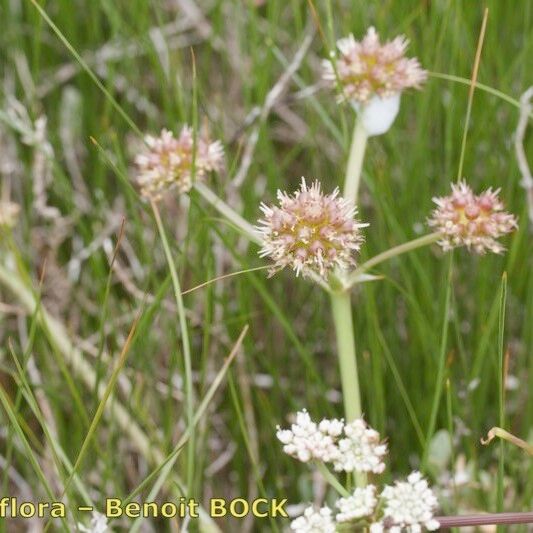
x,y
361,503
360,450
405,506
313,521
410,504
307,440
350,447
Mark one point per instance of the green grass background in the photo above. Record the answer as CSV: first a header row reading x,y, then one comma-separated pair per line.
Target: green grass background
x,y
288,360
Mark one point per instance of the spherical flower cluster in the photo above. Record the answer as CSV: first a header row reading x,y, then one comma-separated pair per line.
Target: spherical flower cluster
x,y
350,447
410,505
168,162
314,521
8,213
306,440
365,69
361,449
310,231
474,221
361,503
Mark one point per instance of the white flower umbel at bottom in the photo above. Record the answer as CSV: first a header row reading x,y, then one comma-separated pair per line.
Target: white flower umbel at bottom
x,y
407,506
378,114
314,521
410,505
361,503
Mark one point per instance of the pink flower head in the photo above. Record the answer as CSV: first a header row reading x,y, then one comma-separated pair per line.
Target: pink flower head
x,y
167,161
474,221
367,68
310,231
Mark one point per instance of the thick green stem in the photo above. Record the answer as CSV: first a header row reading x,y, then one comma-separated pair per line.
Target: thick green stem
x,y
355,162
340,300
342,319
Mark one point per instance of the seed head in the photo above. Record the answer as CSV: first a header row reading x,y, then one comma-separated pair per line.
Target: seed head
x,y
367,68
410,504
474,221
310,231
167,161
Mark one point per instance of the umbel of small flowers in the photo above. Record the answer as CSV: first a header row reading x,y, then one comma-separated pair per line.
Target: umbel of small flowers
x,y
475,221
372,75
404,506
310,231
167,161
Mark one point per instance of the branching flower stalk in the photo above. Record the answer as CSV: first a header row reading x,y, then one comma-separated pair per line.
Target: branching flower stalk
x,y
341,306
370,76
425,240
316,234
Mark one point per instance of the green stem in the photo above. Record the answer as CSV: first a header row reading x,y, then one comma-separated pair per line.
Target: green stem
x,y
332,480
342,319
341,305
441,370
189,395
226,211
392,252
355,162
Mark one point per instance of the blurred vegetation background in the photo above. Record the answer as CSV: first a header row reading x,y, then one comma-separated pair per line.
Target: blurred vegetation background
x,y
73,200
